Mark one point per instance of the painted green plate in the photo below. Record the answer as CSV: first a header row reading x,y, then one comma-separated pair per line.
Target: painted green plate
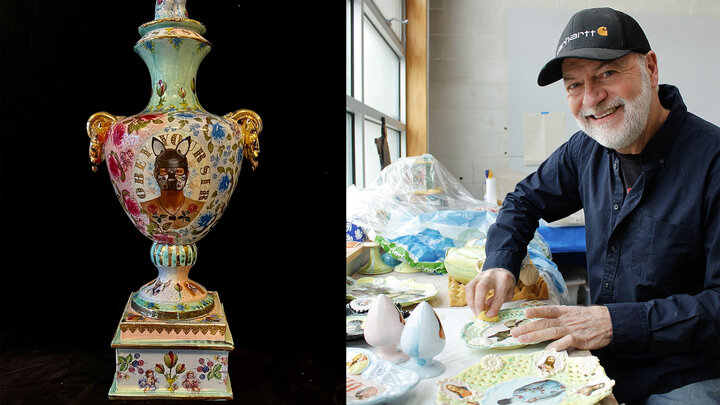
x,y
480,334
404,292
544,377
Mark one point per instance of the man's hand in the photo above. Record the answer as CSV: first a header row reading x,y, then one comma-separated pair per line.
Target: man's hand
x,y
579,327
500,280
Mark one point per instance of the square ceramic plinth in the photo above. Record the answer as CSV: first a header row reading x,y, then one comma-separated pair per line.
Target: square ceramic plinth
x,y
182,367
211,326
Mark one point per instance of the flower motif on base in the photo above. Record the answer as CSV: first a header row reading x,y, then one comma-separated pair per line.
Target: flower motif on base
x,y
170,359
492,362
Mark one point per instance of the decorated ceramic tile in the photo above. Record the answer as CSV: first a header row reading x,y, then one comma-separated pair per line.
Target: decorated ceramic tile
x,y
540,378
403,292
480,334
148,373
371,380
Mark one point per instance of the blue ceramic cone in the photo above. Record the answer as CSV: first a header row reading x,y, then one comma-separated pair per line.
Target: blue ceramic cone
x,y
422,339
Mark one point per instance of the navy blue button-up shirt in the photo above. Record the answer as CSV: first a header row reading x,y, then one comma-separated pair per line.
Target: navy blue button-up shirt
x,y
653,256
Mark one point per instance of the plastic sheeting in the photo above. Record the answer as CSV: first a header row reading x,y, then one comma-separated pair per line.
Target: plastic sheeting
x,y
416,210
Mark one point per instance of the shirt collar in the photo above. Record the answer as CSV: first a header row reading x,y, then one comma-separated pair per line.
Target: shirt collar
x,y
659,146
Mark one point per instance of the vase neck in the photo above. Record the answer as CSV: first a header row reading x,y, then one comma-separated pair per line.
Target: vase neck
x,y
172,51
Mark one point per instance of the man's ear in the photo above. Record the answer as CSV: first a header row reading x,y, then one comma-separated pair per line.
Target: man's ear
x,y
652,67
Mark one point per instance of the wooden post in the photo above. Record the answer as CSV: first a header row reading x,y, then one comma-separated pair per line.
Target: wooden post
x,y
417,77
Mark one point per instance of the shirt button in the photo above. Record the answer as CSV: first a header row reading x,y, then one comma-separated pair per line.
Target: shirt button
x,y
662,161
616,207
612,248
607,285
615,166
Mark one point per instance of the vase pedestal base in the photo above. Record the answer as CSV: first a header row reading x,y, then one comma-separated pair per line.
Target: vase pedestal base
x,y
163,359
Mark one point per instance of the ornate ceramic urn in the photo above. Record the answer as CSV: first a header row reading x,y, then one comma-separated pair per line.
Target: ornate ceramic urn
x,y
173,166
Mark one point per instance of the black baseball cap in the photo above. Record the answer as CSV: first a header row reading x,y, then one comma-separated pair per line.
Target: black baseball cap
x,y
598,34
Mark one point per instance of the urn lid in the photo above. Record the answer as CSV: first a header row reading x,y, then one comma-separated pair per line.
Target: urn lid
x,y
171,13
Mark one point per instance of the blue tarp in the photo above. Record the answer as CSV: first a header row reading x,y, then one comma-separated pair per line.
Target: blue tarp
x,y
564,239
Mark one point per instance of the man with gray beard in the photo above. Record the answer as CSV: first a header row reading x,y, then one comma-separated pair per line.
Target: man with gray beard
x,y
647,174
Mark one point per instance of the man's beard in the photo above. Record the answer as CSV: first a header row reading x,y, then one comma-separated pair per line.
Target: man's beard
x,y
635,118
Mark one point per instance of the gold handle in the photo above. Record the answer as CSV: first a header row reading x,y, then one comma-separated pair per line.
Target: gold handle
x,y
97,128
251,126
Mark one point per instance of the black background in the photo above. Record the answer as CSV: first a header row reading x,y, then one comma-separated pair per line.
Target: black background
x,y
70,257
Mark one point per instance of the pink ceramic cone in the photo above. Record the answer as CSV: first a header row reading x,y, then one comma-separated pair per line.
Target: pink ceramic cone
x,y
383,327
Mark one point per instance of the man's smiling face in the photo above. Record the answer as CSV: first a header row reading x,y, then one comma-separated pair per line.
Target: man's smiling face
x,y
610,99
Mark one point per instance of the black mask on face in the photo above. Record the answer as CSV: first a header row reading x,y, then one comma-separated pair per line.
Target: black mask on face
x,y
171,165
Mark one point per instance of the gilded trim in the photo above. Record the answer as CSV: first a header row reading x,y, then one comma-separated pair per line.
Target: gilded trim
x,y
167,315
198,38
97,129
162,20
250,126
160,328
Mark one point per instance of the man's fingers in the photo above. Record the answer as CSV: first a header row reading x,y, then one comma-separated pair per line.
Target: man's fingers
x,y
561,344
481,290
533,326
551,333
470,296
498,280
503,289
545,312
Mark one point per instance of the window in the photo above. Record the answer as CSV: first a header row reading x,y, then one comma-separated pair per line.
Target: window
x,y
375,85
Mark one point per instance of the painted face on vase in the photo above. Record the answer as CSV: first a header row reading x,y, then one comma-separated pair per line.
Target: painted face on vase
x,y
171,165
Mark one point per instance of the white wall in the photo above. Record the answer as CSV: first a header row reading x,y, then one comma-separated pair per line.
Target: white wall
x,y
469,78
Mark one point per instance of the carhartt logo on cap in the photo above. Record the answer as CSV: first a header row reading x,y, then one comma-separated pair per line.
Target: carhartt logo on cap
x,y
581,34
602,31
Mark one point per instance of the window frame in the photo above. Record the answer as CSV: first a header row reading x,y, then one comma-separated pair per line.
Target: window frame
x,y
354,103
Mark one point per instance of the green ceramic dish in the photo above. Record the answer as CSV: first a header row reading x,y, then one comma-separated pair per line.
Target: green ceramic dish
x,y
403,292
547,377
479,334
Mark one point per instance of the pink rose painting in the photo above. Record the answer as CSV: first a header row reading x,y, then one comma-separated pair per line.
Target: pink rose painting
x,y
118,133
114,166
130,204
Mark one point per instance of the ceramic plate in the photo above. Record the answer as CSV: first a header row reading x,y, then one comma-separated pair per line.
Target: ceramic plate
x,y
403,292
355,323
371,380
542,378
479,334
